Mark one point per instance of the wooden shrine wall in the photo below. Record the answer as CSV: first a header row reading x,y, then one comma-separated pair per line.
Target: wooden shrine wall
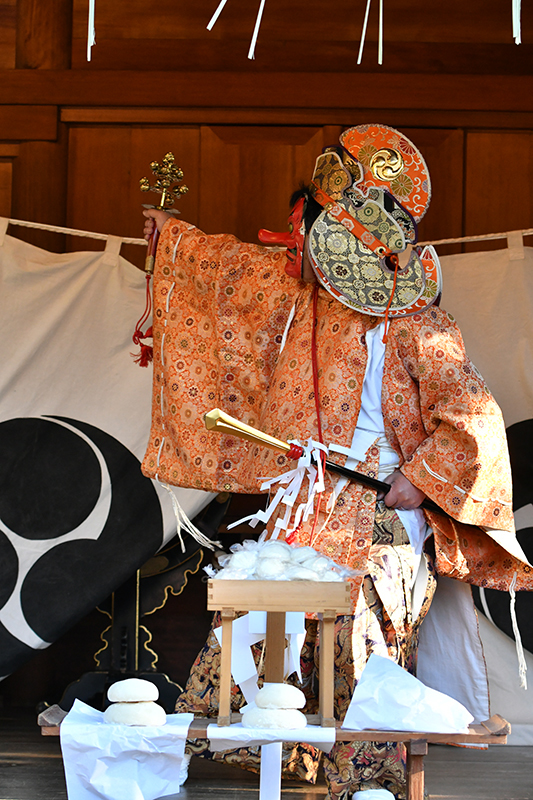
x,y
75,136
85,169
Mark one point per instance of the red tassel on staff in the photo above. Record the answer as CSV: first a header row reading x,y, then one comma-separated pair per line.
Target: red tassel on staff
x,y
147,351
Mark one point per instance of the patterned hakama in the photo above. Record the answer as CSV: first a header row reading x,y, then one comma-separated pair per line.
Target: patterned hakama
x,y
381,624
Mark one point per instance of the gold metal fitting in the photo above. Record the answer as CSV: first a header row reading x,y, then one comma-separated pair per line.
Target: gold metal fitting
x,y
167,174
386,164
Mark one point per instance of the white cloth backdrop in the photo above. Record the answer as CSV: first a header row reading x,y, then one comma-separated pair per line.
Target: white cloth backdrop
x,y
76,515
68,385
491,296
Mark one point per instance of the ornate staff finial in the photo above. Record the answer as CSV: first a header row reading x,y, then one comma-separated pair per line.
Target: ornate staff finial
x,y
168,175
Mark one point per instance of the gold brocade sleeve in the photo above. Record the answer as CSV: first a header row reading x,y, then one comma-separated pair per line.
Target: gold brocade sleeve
x,y
452,431
219,306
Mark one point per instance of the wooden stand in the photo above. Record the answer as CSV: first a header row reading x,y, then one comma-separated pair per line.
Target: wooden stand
x,y
329,600
276,598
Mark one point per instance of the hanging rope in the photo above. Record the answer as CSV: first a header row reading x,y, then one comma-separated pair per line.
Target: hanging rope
x,y
41,226
91,32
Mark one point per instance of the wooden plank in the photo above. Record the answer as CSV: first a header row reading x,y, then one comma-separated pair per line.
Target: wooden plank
x,y
7,33
275,647
443,151
224,700
498,181
223,54
107,163
327,662
416,750
278,596
199,727
44,34
243,158
292,20
492,731
39,189
273,90
6,176
9,150
28,122
304,116
51,730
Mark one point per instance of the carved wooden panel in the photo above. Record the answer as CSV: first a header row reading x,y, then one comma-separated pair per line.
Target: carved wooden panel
x,y
6,173
248,174
105,166
240,178
498,183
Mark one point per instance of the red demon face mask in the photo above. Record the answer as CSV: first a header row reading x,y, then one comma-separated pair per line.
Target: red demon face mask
x,y
293,240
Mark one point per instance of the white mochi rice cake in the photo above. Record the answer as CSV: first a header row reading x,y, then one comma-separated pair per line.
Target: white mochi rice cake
x,y
279,695
285,718
132,703
275,706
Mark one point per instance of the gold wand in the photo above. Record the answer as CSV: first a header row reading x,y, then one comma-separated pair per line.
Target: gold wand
x,y
217,420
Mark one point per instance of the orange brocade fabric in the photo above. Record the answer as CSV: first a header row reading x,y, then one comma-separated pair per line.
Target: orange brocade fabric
x,y
220,311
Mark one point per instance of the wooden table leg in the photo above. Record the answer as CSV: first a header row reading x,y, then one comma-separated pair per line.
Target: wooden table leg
x,y
224,701
326,666
416,750
275,647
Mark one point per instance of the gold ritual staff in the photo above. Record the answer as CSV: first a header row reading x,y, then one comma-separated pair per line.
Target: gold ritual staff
x,y
219,421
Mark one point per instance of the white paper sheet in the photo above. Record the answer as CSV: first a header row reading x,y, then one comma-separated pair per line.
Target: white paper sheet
x,y
233,736
388,698
121,762
250,629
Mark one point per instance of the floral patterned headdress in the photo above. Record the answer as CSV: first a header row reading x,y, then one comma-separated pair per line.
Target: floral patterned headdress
x,y
373,189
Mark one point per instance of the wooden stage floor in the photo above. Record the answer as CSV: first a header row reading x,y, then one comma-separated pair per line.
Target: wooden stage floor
x,y
31,769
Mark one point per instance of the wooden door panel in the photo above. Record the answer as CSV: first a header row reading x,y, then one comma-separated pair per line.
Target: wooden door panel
x,y
6,176
498,184
248,174
105,166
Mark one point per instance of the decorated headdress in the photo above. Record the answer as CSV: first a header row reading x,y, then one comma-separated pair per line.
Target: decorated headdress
x,y
373,189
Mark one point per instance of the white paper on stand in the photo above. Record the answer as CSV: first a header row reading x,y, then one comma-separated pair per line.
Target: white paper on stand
x,y
121,762
242,661
388,698
250,629
231,737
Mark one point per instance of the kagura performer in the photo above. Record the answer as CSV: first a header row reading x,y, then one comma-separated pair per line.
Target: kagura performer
x,y
340,340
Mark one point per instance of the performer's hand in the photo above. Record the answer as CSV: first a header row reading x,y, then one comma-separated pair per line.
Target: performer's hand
x,y
154,216
403,494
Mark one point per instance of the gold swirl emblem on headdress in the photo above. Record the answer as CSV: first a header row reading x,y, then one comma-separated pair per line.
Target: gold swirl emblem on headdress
x,y
386,164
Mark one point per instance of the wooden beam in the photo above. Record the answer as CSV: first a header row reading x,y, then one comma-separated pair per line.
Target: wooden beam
x,y
453,58
28,123
44,34
397,117
271,90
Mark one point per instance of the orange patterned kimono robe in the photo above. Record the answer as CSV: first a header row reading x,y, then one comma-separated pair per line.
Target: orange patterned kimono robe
x,y
233,331
222,311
